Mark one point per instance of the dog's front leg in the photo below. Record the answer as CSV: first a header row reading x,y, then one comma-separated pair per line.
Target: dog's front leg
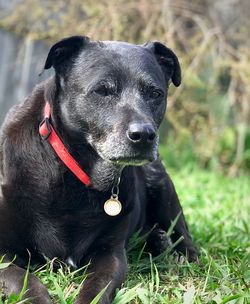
x,y
12,281
164,208
108,270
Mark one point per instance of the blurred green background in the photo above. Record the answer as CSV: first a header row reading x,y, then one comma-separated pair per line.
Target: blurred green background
x,y
208,118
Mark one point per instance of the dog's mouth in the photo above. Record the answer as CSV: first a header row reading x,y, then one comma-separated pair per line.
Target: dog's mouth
x,y
131,161
134,158
124,155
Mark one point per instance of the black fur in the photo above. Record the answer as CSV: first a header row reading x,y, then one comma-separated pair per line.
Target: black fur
x,y
98,91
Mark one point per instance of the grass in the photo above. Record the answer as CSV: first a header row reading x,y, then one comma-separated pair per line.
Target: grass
x,y
218,212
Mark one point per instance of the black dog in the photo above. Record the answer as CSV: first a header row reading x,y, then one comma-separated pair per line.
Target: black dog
x,y
105,102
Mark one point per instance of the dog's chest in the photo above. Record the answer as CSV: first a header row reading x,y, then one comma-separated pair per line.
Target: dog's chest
x,y
66,236
71,226
75,223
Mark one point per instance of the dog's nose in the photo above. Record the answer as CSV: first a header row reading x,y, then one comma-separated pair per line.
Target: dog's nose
x,y
141,133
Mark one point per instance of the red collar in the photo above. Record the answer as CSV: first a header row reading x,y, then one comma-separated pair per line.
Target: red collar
x,y
47,132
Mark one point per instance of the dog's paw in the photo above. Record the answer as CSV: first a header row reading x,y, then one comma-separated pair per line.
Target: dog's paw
x,y
157,242
191,256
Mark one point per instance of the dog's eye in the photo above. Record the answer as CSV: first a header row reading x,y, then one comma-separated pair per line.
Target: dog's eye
x,y
103,90
154,94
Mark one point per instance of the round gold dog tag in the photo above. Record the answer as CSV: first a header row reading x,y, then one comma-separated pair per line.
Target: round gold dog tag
x,y
112,207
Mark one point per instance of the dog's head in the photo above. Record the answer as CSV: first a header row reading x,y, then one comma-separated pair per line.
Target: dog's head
x,y
114,94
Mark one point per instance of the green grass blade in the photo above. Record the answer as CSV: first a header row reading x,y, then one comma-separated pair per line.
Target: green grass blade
x,y
100,294
25,282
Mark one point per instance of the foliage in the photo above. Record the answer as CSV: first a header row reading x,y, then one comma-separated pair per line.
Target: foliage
x,y
210,113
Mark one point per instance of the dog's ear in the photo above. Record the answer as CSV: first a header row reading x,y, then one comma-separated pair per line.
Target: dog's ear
x,y
63,52
167,60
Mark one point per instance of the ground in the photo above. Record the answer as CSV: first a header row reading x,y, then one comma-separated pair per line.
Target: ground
x,y
217,209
